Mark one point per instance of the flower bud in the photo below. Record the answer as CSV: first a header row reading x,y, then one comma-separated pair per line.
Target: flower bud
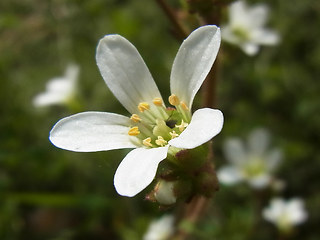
x,y
164,192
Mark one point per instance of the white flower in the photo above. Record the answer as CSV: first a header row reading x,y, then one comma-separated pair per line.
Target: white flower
x,y
253,163
160,229
59,90
285,214
152,129
246,27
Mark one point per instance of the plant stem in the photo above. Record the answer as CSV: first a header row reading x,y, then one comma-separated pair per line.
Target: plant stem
x,y
194,210
180,29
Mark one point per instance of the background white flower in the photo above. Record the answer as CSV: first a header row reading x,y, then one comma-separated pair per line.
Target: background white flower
x,y
246,27
285,214
59,90
147,130
252,162
160,229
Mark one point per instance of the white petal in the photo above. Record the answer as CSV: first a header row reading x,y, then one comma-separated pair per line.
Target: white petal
x,y
258,15
160,229
205,124
125,72
250,48
229,175
260,181
235,152
238,14
50,98
228,35
265,37
295,210
137,170
273,159
91,132
194,61
258,141
72,72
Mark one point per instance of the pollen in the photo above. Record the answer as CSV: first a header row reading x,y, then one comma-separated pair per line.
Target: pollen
x,y
173,134
174,100
161,142
147,142
134,131
182,126
157,101
135,118
184,105
143,106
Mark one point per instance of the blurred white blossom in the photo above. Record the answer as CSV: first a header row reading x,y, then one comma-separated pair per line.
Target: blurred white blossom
x,y
160,229
285,214
252,162
246,27
147,130
59,90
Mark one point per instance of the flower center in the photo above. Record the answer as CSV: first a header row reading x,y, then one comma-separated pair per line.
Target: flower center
x,y
241,33
254,167
153,125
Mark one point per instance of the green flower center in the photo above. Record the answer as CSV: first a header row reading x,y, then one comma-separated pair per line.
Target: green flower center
x,y
241,33
255,167
154,125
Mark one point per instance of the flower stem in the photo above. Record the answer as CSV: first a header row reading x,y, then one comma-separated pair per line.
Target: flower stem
x,y
181,32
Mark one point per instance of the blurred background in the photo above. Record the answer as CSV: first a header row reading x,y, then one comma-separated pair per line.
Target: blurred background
x,y
49,193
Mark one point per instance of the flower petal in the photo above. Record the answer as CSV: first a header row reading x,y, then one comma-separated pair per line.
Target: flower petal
x,y
205,124
273,158
274,210
91,132
260,181
229,175
250,48
235,152
238,14
258,141
194,61
258,15
137,170
295,210
265,37
125,72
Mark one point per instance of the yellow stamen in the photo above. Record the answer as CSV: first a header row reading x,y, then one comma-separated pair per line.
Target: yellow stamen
x,y
135,118
184,105
173,134
174,100
182,126
147,142
134,131
143,106
157,101
161,142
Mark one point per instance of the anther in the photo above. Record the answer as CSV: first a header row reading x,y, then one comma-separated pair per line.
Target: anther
x,y
174,100
134,131
182,126
143,106
184,105
147,142
161,142
135,118
157,101
173,134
